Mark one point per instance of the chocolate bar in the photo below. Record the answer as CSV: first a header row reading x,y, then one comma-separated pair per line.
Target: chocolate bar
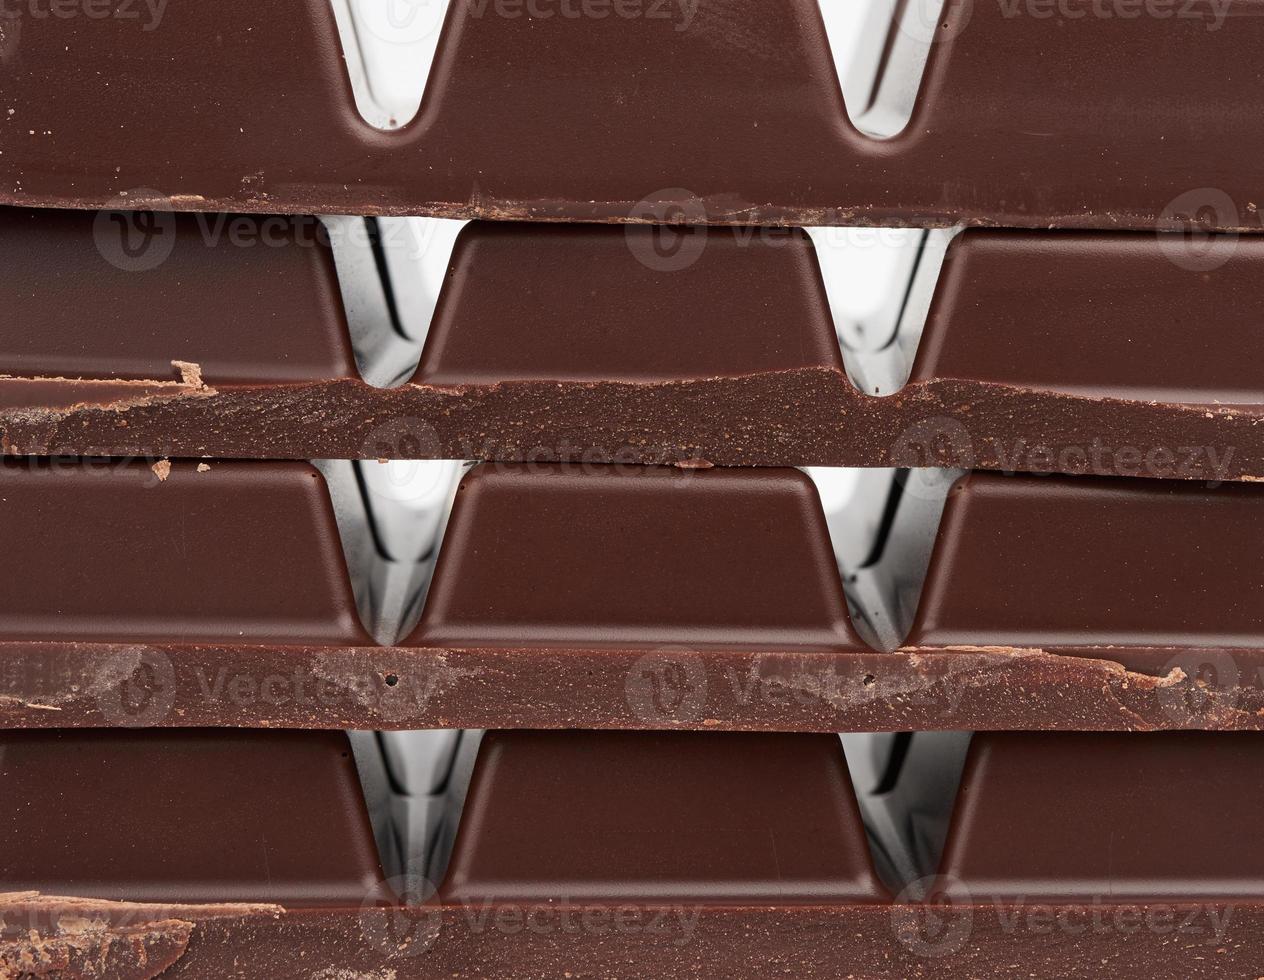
x,y
730,358
636,557
1008,130
617,597
1075,791
193,305
186,817
1099,315
1156,576
177,553
641,807
648,854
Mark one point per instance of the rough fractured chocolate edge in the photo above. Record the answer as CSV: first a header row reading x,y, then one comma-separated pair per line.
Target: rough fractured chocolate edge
x,y
77,685
65,938
799,417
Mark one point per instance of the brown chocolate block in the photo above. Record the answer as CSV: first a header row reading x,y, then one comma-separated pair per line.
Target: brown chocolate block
x,y
1141,572
699,856
593,303
1076,817
563,343
106,551
620,556
1099,315
193,301
744,103
872,940
185,816
588,596
698,817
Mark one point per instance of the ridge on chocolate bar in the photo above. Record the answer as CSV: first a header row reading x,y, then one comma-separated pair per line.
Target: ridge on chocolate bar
x,y
183,552
1134,571
1008,128
711,818
1098,817
185,817
593,556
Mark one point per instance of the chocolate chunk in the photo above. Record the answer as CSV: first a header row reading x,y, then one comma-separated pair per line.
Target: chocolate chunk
x,y
200,300
593,343
593,556
1074,817
104,551
743,103
717,818
1141,572
185,816
591,303
1101,315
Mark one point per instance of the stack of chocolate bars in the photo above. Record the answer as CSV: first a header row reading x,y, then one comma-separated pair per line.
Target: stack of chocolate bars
x,y
471,538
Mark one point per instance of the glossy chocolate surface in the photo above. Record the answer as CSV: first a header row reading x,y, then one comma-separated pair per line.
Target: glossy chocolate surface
x,y
703,817
1109,817
103,550
1098,314
741,120
587,555
248,299
594,303
185,816
1143,567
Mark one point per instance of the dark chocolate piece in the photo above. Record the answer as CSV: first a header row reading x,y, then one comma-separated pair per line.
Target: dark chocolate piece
x,y
1099,315
667,855
745,103
61,684
185,816
609,939
200,301
626,557
698,817
1142,572
573,343
1072,817
110,551
593,303
613,597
